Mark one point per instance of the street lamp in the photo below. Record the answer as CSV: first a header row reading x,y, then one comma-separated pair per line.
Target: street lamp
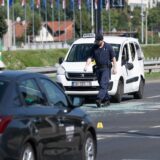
x,y
131,17
144,16
146,40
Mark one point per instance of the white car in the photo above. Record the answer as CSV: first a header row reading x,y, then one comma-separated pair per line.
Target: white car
x,y
130,69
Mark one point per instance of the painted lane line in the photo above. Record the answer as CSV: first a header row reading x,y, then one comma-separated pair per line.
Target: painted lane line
x,y
130,134
133,112
135,159
155,127
153,96
133,131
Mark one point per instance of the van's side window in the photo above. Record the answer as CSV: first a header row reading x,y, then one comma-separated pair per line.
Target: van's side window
x,y
125,57
138,50
132,49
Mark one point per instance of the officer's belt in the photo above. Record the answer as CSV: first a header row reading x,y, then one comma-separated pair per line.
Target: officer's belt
x,y
102,66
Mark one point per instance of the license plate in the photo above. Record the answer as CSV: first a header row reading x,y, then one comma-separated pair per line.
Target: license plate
x,y
81,84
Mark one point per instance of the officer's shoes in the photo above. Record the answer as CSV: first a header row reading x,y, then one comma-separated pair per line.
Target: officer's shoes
x,y
106,103
99,103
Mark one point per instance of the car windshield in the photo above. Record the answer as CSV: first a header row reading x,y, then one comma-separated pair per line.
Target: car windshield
x,y
80,52
3,86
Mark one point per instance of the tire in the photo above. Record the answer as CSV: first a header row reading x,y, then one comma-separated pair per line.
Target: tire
x,y
139,94
89,148
27,153
118,96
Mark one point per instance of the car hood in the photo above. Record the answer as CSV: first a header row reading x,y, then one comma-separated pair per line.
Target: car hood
x,y
76,66
78,112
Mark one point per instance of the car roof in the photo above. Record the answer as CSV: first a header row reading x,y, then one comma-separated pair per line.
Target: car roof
x,y
107,39
15,74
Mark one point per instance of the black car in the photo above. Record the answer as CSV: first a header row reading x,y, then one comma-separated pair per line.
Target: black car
x,y
39,122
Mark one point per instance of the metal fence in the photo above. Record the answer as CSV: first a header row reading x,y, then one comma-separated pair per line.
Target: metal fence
x,y
149,66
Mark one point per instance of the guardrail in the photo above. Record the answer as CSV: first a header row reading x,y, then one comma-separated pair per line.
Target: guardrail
x,y
149,66
152,66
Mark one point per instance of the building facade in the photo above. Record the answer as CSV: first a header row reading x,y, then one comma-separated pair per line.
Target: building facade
x,y
146,3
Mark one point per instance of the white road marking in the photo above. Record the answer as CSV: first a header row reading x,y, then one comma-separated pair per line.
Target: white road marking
x,y
133,112
154,96
128,134
155,127
135,159
133,131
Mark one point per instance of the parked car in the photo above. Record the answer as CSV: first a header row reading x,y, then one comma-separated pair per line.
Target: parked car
x,y
130,68
39,122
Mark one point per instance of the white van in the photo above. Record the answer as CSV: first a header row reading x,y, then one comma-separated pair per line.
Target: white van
x,y
130,68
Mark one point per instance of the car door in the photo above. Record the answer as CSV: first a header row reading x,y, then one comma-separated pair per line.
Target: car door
x,y
40,119
126,60
69,122
136,71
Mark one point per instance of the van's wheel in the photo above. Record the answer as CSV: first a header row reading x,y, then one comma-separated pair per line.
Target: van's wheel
x,y
118,96
89,148
139,93
27,153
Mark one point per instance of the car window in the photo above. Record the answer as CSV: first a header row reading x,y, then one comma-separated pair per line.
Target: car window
x,y
31,93
116,48
3,86
138,50
125,56
80,52
132,49
55,96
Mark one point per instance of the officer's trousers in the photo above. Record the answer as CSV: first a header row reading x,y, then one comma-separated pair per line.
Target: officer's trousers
x,y
103,76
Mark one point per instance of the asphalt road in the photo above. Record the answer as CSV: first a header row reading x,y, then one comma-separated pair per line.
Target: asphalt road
x,y
129,130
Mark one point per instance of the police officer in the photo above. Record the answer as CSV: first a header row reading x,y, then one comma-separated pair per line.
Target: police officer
x,y
104,57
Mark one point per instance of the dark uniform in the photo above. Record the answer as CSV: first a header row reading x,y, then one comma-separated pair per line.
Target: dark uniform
x,y
103,58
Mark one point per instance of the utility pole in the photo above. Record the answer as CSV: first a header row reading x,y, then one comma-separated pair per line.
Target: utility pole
x,y
146,40
9,26
92,16
142,25
99,26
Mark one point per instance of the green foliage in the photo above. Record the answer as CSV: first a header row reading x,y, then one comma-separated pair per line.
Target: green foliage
x,y
31,58
36,23
153,76
151,51
154,18
3,25
120,19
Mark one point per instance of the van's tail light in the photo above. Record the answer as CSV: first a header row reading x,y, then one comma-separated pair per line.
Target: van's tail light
x,y
4,121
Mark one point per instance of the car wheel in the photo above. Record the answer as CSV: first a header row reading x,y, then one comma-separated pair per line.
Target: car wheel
x,y
118,96
89,148
27,153
139,94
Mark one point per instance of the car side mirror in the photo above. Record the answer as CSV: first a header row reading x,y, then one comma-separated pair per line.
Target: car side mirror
x,y
61,59
77,101
129,66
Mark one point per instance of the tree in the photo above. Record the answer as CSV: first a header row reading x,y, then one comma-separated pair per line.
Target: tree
x,y
37,25
3,26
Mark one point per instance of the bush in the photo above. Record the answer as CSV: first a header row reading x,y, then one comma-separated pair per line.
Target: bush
x,y
35,58
31,58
